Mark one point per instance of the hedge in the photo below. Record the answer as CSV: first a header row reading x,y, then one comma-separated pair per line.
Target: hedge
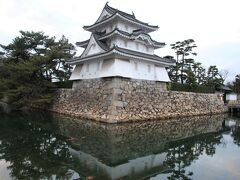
x,y
191,88
63,84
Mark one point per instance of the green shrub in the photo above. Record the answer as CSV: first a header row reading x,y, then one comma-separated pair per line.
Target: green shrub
x,y
63,84
191,88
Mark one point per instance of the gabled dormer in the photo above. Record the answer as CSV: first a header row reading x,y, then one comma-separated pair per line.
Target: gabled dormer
x,y
94,46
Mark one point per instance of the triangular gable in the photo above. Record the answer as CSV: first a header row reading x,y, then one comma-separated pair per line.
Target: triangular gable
x,y
105,14
145,38
92,48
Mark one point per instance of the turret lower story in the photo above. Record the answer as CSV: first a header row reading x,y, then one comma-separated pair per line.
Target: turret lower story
x,y
128,68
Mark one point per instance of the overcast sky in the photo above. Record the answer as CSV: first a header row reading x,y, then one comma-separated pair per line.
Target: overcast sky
x,y
213,24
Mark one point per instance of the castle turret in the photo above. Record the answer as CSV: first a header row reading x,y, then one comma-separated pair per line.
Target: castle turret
x,y
120,46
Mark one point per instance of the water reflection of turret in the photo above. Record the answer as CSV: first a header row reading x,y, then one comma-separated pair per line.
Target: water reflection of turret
x,y
58,147
119,150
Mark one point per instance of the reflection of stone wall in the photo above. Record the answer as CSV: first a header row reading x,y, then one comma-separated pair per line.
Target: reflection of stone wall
x,y
119,99
113,144
4,106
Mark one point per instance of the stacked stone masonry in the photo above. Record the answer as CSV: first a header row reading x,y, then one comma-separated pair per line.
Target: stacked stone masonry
x,y
120,100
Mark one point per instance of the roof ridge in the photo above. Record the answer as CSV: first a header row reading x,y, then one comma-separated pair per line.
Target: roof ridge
x,y
113,12
127,17
116,10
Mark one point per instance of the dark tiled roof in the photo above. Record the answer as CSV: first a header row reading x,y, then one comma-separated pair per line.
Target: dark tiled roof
x,y
82,43
144,55
114,11
131,16
159,43
123,51
138,31
90,56
135,33
101,35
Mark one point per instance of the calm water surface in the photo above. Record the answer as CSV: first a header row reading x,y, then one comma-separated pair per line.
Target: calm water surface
x,y
35,145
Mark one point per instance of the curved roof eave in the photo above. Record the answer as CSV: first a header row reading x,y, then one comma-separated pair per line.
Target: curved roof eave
x,y
144,55
124,34
130,53
79,59
135,21
129,36
82,43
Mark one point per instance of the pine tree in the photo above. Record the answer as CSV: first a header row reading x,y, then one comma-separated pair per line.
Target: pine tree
x,y
31,63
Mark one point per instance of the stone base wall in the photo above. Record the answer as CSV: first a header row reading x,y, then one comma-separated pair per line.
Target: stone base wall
x,y
121,99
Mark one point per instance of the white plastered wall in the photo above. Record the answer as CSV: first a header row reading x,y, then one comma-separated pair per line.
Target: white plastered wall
x,y
134,69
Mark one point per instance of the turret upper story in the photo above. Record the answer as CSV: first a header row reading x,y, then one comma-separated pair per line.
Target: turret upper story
x,y
117,28
114,17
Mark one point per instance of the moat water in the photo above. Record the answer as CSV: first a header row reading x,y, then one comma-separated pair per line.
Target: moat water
x,y
35,145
